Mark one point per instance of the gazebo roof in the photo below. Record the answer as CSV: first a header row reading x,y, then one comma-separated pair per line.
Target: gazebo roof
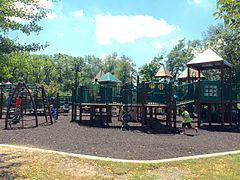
x,y
208,60
99,74
8,83
108,77
193,73
163,72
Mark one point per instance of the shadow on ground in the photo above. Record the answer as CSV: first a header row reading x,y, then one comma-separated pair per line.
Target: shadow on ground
x,y
6,167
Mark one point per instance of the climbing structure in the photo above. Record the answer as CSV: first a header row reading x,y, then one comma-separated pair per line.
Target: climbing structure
x,y
22,109
46,107
210,101
19,100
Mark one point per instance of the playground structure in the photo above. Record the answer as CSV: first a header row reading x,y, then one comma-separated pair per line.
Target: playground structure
x,y
210,101
21,105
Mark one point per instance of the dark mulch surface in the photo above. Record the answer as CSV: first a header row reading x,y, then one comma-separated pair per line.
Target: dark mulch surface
x,y
148,144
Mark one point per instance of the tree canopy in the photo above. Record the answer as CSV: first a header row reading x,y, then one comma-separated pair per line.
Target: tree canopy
x,y
148,70
21,16
229,11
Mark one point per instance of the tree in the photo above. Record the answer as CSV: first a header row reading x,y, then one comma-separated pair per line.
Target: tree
x,y
226,43
229,11
180,55
91,65
148,70
20,15
125,69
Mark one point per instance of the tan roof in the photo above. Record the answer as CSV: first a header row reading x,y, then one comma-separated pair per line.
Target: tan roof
x,y
193,73
163,72
208,57
99,74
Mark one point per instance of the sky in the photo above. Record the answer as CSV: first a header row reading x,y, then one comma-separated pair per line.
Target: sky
x,y
139,29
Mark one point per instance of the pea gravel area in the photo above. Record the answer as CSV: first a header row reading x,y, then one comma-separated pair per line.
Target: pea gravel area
x,y
137,143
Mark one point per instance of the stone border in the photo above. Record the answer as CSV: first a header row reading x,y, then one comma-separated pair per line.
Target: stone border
x,y
120,160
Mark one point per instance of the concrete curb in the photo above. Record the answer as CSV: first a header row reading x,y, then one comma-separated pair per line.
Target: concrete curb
x,y
121,160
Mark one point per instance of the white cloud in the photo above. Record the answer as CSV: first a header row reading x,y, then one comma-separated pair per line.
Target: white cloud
x,y
199,2
45,3
157,44
52,15
166,44
78,13
18,19
125,29
30,9
61,34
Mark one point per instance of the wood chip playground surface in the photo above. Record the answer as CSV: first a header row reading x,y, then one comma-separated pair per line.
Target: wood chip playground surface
x,y
134,144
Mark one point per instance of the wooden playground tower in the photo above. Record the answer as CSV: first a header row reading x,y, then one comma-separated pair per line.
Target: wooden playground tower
x,y
209,94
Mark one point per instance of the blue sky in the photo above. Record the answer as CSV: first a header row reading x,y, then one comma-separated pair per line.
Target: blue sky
x,y
139,29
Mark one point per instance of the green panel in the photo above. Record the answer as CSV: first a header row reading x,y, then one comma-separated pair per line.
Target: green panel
x,y
157,92
66,99
226,91
139,93
210,90
101,94
185,92
236,92
116,94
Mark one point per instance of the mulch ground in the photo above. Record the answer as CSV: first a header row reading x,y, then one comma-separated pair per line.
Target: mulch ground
x,y
137,143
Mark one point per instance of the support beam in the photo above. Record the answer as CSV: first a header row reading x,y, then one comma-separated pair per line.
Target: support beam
x,y
143,119
57,105
210,114
1,108
198,101
230,97
188,74
222,94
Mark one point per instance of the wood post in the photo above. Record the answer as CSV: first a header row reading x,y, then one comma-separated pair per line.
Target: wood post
x,y
175,115
199,99
143,119
222,94
169,110
73,103
57,105
1,108
230,97
209,114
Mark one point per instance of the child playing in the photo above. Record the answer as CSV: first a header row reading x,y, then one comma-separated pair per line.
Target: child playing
x,y
18,110
53,113
186,120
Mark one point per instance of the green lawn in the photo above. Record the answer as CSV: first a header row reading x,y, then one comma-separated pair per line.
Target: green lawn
x,y
23,164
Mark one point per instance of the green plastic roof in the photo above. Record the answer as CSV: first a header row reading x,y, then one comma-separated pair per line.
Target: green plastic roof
x,y
108,77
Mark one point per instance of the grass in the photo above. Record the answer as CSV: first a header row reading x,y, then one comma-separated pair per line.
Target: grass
x,y
22,164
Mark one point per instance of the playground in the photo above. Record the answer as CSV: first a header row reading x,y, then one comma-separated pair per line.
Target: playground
x,y
112,142
139,120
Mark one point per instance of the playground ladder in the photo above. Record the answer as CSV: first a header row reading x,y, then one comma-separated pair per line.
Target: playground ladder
x,y
46,107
